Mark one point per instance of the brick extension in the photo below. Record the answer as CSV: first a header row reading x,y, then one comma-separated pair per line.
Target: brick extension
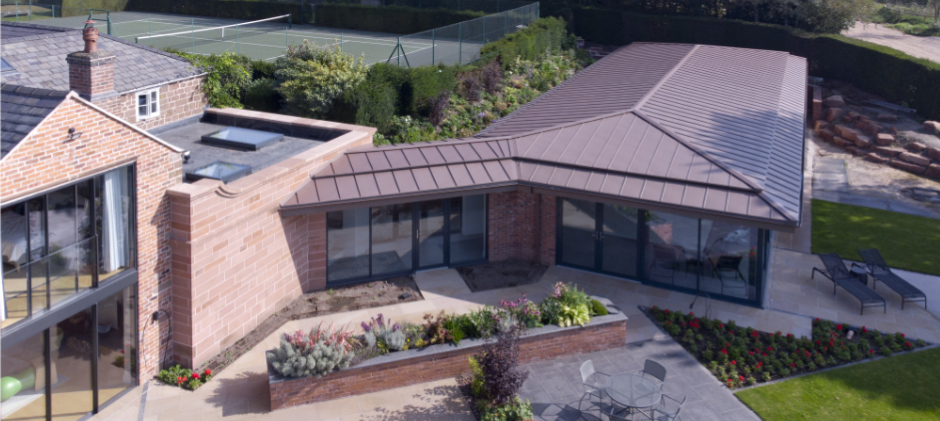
x,y
519,227
236,260
601,334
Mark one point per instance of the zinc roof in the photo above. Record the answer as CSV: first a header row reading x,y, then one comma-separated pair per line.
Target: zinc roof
x,y
692,127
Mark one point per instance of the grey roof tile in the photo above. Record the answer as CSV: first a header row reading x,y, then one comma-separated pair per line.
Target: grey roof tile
x,y
21,110
39,58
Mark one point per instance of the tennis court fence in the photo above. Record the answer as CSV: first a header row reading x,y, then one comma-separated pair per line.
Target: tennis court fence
x,y
27,11
486,6
237,38
460,43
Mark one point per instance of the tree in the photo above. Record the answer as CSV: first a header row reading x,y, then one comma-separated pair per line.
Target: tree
x,y
834,16
312,77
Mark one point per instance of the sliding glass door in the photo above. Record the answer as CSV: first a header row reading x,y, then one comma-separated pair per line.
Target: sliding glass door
x,y
392,240
598,237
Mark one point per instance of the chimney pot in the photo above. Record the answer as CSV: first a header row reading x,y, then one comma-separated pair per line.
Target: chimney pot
x,y
90,36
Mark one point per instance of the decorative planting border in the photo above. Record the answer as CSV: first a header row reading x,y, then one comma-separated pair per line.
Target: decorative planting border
x,y
438,362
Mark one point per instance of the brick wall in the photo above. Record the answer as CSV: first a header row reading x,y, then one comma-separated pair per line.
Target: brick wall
x,y
91,74
596,336
46,159
514,227
235,259
178,101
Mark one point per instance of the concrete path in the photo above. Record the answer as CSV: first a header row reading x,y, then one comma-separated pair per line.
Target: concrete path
x,y
830,183
554,387
929,284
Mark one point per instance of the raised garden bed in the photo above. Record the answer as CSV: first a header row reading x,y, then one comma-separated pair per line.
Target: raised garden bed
x,y
743,356
417,362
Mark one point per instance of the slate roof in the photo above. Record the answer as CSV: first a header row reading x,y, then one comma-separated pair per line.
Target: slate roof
x,y
21,110
38,52
711,130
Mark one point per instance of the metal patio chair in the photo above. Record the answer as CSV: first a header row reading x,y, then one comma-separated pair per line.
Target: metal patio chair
x,y
662,414
729,266
655,370
594,385
840,276
881,272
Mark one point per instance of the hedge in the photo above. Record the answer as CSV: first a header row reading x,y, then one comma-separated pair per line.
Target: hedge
x,y
877,69
390,19
543,34
487,6
232,9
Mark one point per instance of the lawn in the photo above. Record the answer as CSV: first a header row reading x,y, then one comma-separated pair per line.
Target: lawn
x,y
906,241
904,387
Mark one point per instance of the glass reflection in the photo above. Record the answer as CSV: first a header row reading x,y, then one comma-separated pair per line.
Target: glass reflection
x,y
578,232
431,233
23,379
71,360
619,240
672,249
467,229
117,356
391,238
730,252
347,234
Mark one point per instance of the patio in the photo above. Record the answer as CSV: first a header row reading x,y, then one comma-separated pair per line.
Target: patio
x,y
240,391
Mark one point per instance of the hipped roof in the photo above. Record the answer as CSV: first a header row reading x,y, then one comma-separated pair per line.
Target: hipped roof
x,y
694,128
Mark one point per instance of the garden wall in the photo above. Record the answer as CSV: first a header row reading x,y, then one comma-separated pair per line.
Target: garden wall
x,y
438,362
235,259
877,69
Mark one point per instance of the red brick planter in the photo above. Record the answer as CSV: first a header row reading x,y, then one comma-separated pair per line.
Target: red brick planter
x,y
438,362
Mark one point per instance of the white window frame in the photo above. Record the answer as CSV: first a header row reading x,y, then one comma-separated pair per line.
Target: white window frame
x,y
153,104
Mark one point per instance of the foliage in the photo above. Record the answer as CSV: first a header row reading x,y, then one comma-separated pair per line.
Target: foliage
x,y
598,308
567,306
844,229
735,354
477,388
302,360
184,377
522,310
502,377
390,19
369,104
437,106
261,95
311,77
385,335
901,387
541,36
515,410
833,16
228,77
870,67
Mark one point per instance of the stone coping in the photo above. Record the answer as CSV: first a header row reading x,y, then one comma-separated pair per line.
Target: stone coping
x,y
615,316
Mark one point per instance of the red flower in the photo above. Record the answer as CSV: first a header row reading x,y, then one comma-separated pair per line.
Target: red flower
x,y
668,323
207,372
864,330
907,344
741,377
792,364
729,380
839,327
818,343
770,348
180,380
765,354
902,335
817,319
733,362
195,375
731,332
721,325
871,351
755,334
789,335
751,352
831,343
724,351
691,313
727,344
666,311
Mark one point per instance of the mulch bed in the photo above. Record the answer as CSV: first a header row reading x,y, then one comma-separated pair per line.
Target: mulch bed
x,y
320,303
508,273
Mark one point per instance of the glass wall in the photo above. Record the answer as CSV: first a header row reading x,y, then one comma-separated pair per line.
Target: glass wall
x,y
117,352
72,393
347,237
23,380
65,242
392,240
691,254
467,229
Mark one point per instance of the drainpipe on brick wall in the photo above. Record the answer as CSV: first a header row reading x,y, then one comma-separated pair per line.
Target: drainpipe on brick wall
x,y
538,232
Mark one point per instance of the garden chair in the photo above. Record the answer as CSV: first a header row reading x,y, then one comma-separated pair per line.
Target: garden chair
x,y
655,370
729,266
840,276
881,272
594,385
667,258
662,414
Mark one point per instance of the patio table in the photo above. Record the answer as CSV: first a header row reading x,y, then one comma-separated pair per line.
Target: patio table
x,y
634,391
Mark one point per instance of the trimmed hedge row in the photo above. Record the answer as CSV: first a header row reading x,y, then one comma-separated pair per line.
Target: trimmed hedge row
x,y
488,6
880,70
233,9
543,34
390,19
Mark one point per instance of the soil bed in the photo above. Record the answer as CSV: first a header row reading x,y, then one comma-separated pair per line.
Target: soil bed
x,y
401,289
508,273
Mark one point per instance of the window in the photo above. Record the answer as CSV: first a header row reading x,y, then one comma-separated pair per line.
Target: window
x,y
148,104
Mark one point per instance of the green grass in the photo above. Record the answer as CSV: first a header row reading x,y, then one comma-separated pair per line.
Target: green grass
x,y
906,241
904,387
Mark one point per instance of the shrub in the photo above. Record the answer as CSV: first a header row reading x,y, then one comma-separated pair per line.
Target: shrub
x,y
369,104
516,410
477,387
261,95
499,362
228,77
546,34
381,333
312,77
598,309
437,107
294,360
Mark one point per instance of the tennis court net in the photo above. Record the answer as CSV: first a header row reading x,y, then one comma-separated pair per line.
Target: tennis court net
x,y
240,38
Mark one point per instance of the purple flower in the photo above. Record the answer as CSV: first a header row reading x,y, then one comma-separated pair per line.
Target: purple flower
x,y
481,114
366,327
395,327
380,321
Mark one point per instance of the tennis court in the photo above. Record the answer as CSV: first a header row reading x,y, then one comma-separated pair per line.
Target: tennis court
x,y
269,39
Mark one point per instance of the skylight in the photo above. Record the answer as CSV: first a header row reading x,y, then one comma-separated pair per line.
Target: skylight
x,y
239,138
219,170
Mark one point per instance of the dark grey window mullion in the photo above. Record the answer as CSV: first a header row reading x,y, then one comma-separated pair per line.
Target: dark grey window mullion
x,y
415,243
29,267
447,218
698,257
598,236
75,227
94,233
642,236
370,242
47,350
45,252
94,359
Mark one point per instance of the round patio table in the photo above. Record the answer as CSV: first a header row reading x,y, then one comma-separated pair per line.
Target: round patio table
x,y
634,391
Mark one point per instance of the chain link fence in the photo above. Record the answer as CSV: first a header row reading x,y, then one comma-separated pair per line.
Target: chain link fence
x,y
460,43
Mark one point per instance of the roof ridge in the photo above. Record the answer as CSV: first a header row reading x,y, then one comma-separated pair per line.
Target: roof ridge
x,y
649,94
14,89
39,26
147,48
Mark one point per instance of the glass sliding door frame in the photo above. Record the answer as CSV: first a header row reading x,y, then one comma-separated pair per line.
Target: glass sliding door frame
x,y
44,322
643,235
416,246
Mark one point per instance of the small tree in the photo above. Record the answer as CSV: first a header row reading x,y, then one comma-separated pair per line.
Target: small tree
x,y
311,77
501,376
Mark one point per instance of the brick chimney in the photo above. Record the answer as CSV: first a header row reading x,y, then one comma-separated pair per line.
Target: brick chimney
x,y
91,72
